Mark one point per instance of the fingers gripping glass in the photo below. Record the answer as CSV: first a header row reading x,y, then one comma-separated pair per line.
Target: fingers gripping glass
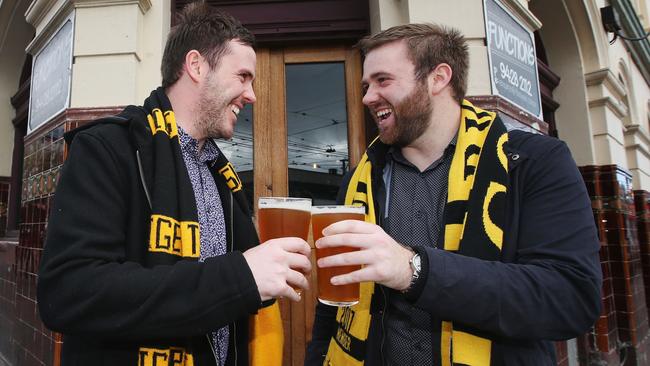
x,y
280,217
322,217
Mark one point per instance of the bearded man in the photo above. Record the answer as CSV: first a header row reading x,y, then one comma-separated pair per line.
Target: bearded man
x,y
151,255
479,246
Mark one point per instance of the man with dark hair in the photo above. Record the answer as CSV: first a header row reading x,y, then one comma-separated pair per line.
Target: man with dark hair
x,y
151,256
479,246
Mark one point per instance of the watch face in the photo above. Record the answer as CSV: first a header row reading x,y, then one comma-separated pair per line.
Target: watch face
x,y
416,262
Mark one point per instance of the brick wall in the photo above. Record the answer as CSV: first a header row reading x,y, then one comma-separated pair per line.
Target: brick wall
x,y
4,204
34,344
562,354
602,341
28,341
620,335
7,301
642,205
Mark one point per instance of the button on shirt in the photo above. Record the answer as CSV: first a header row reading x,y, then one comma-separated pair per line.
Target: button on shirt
x,y
416,204
210,212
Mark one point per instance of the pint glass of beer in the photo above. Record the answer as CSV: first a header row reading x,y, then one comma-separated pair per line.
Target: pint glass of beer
x,y
322,217
281,217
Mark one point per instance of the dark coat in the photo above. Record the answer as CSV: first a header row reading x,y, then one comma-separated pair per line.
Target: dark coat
x,y
547,286
97,284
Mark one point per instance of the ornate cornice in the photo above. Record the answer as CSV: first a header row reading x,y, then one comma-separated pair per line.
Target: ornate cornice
x,y
607,79
619,110
522,13
39,9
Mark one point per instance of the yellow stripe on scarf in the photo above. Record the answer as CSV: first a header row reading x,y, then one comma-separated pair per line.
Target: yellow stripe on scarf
x,y
266,337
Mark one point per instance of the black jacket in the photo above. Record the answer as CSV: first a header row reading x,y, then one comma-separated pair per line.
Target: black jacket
x,y
547,286
96,284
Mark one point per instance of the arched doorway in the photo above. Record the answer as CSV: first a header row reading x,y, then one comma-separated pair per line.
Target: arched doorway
x,y
565,50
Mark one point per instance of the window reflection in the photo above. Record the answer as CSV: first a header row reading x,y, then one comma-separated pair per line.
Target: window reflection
x,y
317,129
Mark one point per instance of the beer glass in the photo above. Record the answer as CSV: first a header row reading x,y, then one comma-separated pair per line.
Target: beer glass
x,y
322,217
281,217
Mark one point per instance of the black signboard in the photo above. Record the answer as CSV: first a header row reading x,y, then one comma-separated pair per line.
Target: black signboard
x,y
51,74
513,63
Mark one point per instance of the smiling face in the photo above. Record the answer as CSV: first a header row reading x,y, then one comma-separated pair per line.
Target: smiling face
x,y
400,104
225,91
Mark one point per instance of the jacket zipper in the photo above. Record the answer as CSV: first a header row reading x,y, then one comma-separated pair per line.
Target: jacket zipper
x,y
144,184
216,358
380,220
232,249
383,326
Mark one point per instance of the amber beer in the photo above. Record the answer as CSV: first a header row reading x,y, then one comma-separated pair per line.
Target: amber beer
x,y
280,217
322,217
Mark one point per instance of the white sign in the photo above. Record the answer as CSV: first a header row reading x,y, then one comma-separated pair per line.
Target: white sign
x,y
51,76
513,63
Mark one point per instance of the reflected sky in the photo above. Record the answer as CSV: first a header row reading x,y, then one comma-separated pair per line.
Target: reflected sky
x,y
316,121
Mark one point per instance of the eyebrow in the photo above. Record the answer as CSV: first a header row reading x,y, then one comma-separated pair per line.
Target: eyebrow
x,y
374,75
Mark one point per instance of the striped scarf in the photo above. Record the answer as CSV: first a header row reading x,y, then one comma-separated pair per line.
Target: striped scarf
x,y
474,217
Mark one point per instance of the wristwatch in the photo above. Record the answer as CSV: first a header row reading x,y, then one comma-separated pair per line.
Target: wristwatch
x,y
416,266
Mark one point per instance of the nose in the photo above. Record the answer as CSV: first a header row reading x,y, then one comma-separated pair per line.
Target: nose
x,y
370,97
249,95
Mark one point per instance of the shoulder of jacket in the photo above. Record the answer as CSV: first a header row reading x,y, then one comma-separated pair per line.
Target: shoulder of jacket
x,y
532,145
106,127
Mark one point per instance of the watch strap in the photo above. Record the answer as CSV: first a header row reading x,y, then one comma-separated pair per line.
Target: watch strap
x,y
415,289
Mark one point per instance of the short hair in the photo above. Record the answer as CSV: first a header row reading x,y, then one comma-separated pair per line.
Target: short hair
x,y
428,46
205,29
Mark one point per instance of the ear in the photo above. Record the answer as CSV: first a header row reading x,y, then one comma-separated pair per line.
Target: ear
x,y
193,65
439,78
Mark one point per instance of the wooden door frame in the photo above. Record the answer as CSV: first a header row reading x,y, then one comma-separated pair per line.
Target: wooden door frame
x,y
270,154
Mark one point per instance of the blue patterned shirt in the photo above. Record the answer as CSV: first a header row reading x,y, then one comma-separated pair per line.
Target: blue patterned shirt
x,y
210,211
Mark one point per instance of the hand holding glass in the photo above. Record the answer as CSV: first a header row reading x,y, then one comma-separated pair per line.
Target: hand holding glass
x,y
281,217
322,217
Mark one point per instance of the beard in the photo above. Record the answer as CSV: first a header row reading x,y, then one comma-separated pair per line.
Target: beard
x,y
412,117
212,114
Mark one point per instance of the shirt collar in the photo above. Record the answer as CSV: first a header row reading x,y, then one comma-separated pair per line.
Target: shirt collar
x,y
190,145
395,153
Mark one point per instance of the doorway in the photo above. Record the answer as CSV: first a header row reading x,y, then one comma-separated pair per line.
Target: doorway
x,y
303,134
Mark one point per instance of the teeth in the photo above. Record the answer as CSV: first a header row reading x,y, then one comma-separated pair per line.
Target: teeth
x,y
235,110
383,112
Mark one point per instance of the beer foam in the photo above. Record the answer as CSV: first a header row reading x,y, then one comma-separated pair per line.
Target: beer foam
x,y
315,210
287,204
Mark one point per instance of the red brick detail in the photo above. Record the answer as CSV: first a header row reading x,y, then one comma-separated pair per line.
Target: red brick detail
x,y
30,341
562,354
622,329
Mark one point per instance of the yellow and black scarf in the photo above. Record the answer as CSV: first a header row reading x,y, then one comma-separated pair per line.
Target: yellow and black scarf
x,y
474,218
174,215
